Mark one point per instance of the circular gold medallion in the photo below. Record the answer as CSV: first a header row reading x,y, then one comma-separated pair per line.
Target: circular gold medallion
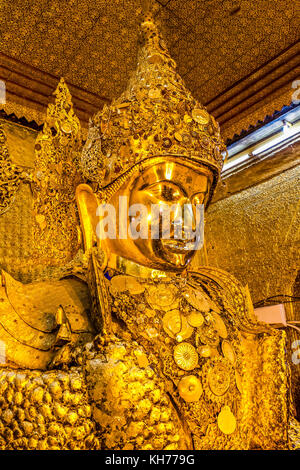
x,y
118,283
162,296
186,330
209,336
172,322
190,388
205,351
228,351
219,325
185,356
66,127
178,136
200,115
195,319
134,286
219,379
122,283
226,420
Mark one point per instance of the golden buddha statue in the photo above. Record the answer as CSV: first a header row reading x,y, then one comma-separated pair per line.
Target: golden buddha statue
x,y
136,350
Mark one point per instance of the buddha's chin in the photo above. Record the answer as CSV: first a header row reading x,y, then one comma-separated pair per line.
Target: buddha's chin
x,y
175,254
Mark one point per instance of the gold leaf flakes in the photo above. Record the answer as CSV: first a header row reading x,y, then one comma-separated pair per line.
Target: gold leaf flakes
x,y
41,221
154,93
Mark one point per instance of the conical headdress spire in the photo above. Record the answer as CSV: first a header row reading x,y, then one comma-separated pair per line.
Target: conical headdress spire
x,y
155,116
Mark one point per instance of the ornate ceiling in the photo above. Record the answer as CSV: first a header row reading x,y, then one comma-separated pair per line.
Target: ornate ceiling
x,y
231,54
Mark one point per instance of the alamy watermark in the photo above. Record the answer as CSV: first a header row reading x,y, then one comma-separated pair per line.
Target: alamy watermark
x,y
182,223
296,93
296,353
2,352
2,92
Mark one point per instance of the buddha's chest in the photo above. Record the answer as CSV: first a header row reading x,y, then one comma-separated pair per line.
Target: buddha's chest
x,y
185,333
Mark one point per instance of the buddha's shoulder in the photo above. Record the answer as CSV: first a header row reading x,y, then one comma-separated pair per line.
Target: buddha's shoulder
x,y
38,318
217,279
231,296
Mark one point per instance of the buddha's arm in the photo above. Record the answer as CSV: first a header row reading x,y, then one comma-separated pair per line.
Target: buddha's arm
x,y
130,405
266,387
37,319
262,361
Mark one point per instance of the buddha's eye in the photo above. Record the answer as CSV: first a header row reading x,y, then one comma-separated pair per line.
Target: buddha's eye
x,y
165,191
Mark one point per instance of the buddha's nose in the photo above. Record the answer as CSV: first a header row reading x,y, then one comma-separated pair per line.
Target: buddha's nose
x,y
184,221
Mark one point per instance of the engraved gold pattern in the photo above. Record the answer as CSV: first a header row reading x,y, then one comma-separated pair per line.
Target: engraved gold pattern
x,y
185,356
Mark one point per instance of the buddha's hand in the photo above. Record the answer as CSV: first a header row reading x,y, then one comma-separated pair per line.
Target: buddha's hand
x,y
128,399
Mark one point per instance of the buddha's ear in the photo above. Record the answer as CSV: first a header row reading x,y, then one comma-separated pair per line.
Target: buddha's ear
x,y
87,204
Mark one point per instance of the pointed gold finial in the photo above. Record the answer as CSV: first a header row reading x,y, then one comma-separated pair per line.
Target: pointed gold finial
x,y
10,175
156,116
56,174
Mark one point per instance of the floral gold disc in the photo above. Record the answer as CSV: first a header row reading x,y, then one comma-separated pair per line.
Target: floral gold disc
x,y
66,127
185,356
226,420
190,388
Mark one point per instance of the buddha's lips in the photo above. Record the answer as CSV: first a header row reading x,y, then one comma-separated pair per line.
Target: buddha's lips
x,y
179,245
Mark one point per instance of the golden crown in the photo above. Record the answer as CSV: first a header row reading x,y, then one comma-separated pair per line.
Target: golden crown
x,y
155,116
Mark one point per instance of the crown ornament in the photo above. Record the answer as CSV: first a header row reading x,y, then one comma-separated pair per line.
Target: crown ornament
x,y
156,116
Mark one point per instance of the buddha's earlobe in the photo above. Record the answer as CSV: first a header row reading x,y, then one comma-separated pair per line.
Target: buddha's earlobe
x,y
87,203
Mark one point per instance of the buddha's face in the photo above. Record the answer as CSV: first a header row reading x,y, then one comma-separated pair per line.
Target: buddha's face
x,y
163,186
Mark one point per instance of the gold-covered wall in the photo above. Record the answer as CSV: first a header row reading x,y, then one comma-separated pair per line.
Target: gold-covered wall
x,y
254,234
